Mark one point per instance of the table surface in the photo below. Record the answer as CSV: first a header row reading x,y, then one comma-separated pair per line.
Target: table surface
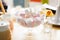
x,y
20,33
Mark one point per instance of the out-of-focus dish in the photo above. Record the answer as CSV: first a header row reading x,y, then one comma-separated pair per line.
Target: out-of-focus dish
x,y
28,18
32,18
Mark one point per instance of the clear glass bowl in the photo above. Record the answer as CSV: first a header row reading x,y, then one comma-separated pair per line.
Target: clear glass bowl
x,y
29,18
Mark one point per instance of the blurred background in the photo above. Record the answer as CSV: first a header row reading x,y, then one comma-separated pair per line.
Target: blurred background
x,y
32,13
30,3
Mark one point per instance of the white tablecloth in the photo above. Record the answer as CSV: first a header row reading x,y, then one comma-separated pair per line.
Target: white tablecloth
x,y
20,33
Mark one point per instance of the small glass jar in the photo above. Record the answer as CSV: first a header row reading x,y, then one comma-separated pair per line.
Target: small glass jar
x,y
5,33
